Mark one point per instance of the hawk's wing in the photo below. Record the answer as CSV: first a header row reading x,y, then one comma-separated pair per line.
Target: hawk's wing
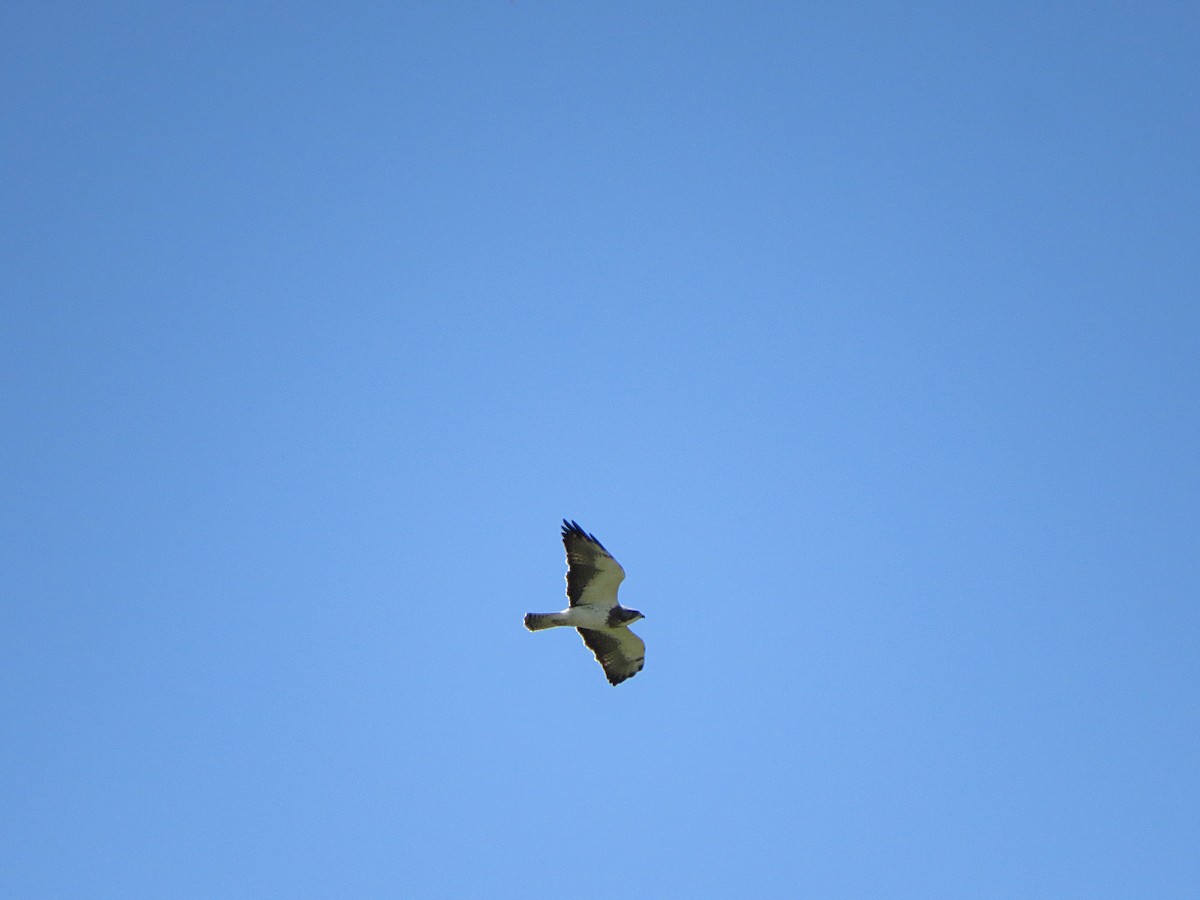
x,y
593,576
619,650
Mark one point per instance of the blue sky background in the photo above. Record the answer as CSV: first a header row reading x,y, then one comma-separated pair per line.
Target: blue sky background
x,y
865,335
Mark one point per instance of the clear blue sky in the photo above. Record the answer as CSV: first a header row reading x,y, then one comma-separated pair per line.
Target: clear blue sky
x,y
865,335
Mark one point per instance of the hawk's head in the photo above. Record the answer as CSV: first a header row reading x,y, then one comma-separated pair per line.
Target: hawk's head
x,y
619,616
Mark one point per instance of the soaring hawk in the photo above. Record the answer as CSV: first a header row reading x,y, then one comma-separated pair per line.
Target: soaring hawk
x,y
593,577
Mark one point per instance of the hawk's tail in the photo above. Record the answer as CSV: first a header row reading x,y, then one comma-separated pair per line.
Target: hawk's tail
x,y
538,621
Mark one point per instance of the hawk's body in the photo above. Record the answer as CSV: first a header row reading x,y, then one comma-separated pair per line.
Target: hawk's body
x,y
593,577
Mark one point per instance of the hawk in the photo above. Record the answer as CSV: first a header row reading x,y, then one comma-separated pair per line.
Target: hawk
x,y
593,577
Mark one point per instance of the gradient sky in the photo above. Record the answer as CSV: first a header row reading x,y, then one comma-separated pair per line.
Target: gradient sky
x,y
865,335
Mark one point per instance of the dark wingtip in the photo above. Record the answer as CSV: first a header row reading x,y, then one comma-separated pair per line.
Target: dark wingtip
x,y
573,528
614,680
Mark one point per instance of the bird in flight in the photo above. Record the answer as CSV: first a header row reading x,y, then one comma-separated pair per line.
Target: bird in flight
x,y
593,577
